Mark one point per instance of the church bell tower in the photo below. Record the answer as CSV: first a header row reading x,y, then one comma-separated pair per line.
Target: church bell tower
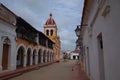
x,y
50,28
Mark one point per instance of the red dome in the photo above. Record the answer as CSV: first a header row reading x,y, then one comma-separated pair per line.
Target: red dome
x,y
50,21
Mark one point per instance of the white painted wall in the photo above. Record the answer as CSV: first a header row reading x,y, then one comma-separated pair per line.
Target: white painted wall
x,y
9,31
74,54
109,26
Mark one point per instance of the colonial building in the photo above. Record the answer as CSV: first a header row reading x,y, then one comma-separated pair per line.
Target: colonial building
x,y
50,30
33,47
101,39
21,45
7,39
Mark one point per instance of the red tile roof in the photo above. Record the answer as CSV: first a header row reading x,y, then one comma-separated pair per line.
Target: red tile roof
x,y
50,21
76,51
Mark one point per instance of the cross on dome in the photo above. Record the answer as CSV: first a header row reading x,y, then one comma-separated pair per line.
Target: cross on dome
x,y
50,14
50,21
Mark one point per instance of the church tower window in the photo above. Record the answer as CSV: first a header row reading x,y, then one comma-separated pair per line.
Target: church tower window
x,y
51,31
47,32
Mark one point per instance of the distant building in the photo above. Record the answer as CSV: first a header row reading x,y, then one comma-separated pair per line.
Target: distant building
x,y
50,30
74,54
101,39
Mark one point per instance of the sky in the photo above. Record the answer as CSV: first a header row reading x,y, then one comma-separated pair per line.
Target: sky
x,y
66,13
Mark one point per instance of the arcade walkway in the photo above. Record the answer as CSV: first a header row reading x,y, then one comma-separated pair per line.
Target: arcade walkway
x,y
56,71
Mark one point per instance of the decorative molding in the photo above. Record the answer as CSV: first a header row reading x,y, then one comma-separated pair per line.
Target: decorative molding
x,y
106,11
5,40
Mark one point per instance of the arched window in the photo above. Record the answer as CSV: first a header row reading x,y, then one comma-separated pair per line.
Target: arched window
x,y
51,32
47,32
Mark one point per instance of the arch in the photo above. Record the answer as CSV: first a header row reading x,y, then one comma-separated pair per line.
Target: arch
x,y
5,52
39,55
29,53
34,55
29,47
44,56
23,47
20,56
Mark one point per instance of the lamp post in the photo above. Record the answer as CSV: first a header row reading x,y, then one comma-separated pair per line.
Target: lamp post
x,y
79,41
77,31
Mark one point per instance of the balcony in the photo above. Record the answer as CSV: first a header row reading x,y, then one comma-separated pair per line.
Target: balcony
x,y
28,38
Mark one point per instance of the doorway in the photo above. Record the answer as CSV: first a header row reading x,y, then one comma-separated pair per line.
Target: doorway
x,y
101,57
5,56
28,57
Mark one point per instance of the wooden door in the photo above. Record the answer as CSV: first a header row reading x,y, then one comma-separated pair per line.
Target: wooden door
x,y
5,56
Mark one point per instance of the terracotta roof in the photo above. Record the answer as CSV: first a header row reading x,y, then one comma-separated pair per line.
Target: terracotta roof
x,y
50,21
76,51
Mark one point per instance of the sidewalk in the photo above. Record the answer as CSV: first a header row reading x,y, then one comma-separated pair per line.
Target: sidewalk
x,y
79,74
20,71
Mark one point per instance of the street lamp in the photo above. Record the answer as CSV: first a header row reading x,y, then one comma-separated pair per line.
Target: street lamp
x,y
77,31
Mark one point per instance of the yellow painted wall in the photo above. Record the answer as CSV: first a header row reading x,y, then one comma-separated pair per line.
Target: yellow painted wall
x,y
26,43
54,38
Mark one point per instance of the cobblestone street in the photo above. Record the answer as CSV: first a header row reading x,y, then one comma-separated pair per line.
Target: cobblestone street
x,y
56,71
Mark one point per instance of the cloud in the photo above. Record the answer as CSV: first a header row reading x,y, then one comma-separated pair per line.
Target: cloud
x,y
67,15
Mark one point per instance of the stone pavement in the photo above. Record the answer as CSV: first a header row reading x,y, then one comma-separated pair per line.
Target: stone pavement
x,y
57,71
79,73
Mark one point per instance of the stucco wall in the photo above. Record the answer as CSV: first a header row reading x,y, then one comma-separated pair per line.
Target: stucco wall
x,y
109,26
7,30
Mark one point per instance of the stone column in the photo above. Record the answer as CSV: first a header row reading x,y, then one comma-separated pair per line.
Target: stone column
x,y
0,68
41,58
76,57
71,56
31,59
49,57
25,60
52,58
36,59
45,58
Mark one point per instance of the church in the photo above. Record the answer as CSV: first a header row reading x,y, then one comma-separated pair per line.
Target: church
x,y
51,31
